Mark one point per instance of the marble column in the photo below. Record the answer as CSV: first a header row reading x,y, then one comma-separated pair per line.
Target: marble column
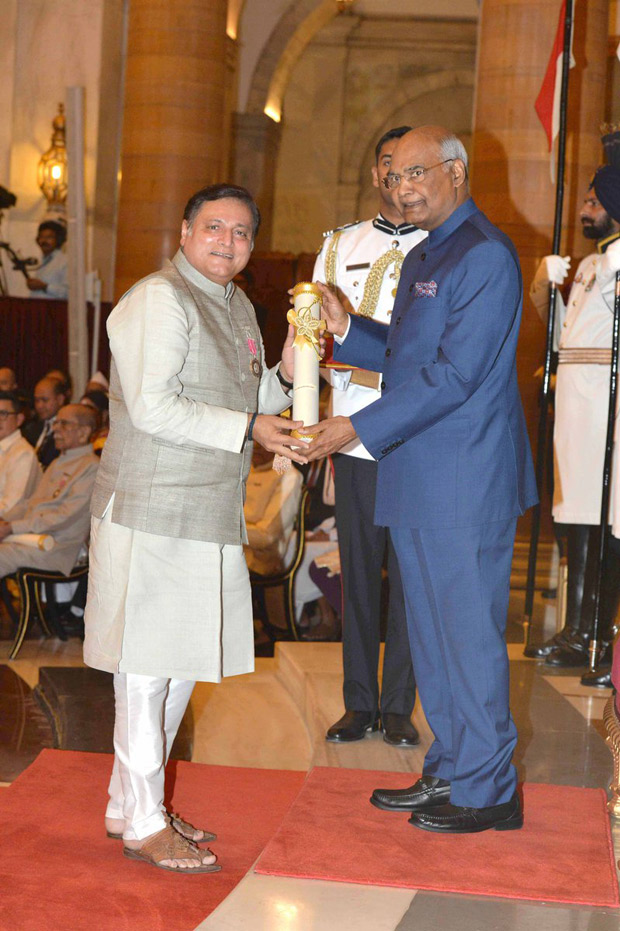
x,y
173,126
510,176
255,147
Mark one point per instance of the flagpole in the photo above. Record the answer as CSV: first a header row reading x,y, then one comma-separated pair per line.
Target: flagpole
x,y
546,381
606,490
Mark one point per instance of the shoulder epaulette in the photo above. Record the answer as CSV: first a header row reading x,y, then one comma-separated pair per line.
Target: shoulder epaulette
x,y
339,229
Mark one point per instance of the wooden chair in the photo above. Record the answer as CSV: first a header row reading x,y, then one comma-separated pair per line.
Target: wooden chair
x,y
29,581
285,579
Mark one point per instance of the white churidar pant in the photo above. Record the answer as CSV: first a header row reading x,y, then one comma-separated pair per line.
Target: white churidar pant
x,y
149,711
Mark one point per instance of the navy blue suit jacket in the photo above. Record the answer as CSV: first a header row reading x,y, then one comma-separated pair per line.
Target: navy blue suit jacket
x,y
449,430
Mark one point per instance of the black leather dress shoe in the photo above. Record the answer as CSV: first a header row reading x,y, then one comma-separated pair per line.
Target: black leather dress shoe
x,y
599,679
398,730
573,654
427,792
353,725
457,819
540,650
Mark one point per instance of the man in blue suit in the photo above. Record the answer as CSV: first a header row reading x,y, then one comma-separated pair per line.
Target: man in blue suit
x,y
455,472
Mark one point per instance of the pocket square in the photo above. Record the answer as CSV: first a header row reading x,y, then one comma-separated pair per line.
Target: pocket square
x,y
426,289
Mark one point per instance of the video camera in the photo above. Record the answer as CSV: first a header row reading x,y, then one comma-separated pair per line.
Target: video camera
x,y
6,199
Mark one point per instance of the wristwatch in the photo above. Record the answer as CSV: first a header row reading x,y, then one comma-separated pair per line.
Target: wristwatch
x,y
285,384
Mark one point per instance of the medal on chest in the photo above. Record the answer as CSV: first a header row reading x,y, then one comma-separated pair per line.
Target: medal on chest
x,y
62,484
255,366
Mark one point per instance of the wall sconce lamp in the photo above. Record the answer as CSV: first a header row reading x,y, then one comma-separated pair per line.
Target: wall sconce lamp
x,y
52,170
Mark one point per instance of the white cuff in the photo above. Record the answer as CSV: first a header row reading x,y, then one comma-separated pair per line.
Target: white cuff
x,y
340,339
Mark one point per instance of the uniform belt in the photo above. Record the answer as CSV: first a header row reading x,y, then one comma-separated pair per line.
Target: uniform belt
x,y
366,378
585,356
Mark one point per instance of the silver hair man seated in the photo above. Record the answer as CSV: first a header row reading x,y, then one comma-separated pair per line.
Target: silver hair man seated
x,y
60,505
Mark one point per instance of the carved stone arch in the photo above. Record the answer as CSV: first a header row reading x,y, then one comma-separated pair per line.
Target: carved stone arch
x,y
294,31
256,137
234,13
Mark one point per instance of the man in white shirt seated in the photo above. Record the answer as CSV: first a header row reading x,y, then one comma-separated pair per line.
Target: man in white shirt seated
x,y
60,506
19,467
50,279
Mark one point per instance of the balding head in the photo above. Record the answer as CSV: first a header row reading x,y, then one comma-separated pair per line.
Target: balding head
x,y
441,157
7,379
48,397
73,426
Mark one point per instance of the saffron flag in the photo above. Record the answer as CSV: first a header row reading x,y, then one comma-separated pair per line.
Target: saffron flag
x,y
548,100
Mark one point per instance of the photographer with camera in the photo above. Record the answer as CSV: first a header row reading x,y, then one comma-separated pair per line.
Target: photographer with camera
x,y
51,275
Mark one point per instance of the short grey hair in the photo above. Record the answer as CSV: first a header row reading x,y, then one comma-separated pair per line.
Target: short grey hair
x,y
452,147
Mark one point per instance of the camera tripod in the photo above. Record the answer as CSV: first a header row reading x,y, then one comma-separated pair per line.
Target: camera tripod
x,y
19,264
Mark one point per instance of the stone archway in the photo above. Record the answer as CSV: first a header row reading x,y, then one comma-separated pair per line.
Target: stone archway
x,y
294,31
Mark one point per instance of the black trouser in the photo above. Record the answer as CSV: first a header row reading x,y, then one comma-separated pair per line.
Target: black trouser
x,y
362,550
583,542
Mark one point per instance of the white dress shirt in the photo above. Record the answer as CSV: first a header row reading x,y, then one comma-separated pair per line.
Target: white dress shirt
x,y
53,271
19,471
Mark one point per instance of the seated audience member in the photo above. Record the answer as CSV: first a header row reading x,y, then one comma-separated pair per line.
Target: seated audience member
x,y
50,278
49,397
19,467
98,382
60,506
325,573
270,508
313,610
8,382
66,382
99,404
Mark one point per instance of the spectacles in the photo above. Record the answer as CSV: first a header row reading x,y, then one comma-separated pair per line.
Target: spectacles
x,y
392,181
5,414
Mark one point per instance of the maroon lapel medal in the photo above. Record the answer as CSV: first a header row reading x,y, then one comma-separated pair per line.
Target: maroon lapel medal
x,y
255,366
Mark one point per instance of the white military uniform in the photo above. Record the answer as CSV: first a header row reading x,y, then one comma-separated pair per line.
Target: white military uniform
x,y
583,338
364,261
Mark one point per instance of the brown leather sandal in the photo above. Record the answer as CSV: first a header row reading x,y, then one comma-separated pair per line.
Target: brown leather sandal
x,y
184,828
168,844
187,830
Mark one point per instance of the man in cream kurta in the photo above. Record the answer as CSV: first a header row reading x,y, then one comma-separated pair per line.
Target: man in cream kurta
x,y
169,597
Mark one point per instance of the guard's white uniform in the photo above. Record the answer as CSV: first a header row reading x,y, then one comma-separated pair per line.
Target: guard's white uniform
x,y
364,260
583,336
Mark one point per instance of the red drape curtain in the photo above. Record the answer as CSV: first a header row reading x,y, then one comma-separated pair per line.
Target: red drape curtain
x,y
33,337
33,333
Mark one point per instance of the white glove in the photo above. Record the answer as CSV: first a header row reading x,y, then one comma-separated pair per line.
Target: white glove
x,y
611,258
552,268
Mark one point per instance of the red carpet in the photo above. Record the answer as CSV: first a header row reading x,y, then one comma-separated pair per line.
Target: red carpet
x,y
58,869
562,854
